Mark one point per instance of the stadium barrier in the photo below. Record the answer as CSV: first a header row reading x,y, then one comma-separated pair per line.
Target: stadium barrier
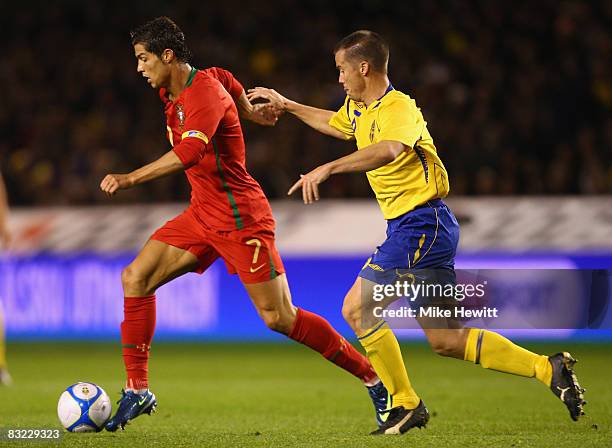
x,y
61,280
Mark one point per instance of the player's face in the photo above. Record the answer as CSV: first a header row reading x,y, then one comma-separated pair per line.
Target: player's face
x,y
151,67
349,76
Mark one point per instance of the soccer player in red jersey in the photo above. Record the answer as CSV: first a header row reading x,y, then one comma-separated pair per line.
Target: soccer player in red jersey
x,y
229,217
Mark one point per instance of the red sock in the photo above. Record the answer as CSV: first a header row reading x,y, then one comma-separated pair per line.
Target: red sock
x,y
137,331
315,332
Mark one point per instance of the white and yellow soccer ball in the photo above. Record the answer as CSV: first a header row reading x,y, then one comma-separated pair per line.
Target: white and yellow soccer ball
x,y
84,407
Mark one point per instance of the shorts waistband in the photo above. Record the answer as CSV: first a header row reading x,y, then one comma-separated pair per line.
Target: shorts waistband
x,y
429,204
432,203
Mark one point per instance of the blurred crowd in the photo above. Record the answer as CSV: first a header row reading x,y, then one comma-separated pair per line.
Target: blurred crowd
x,y
517,95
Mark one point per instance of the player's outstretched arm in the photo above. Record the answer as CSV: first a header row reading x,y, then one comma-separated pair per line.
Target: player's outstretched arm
x,y
315,118
167,164
366,159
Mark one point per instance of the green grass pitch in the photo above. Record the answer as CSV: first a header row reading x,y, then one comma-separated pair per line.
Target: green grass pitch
x,y
255,395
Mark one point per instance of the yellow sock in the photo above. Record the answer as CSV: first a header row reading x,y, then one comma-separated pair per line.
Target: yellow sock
x,y
493,351
384,354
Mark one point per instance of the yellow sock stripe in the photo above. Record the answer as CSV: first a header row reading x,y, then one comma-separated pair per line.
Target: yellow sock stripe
x,y
373,330
470,345
479,346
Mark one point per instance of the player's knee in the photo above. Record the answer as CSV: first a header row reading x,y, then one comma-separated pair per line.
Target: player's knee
x,y
132,279
277,320
351,313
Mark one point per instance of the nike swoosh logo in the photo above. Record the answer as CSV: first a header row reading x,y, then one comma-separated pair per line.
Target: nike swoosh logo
x,y
257,268
385,415
141,402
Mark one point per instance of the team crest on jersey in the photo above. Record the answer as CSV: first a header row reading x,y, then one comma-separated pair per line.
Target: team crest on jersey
x,y
180,113
372,131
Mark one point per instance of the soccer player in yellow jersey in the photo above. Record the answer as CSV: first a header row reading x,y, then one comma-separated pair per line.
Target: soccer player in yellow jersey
x,y
5,378
404,169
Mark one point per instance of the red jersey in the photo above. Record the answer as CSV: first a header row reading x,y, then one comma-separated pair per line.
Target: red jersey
x,y
204,130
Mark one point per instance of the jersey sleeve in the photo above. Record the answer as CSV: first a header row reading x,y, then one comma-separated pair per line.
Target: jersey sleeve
x,y
228,81
400,120
342,122
203,113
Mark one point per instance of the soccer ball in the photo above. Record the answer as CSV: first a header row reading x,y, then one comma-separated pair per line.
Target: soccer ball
x,y
84,407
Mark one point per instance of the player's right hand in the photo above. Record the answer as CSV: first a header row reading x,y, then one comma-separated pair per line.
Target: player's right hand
x,y
274,98
114,182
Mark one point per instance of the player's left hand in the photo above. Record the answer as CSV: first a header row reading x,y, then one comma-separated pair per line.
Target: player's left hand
x,y
114,182
309,183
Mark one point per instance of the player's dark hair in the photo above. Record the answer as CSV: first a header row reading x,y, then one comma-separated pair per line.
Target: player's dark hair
x,y
366,46
160,34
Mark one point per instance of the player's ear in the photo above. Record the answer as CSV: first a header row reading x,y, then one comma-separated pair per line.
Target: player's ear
x,y
364,68
167,56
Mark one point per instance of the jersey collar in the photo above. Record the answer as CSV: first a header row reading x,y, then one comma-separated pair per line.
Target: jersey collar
x,y
376,103
379,100
390,88
191,76
163,92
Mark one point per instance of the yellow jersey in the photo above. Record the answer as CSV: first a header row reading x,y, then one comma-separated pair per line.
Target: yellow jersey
x,y
417,175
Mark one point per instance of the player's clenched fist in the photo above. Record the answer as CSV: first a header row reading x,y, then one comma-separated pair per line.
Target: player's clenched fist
x,y
113,182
